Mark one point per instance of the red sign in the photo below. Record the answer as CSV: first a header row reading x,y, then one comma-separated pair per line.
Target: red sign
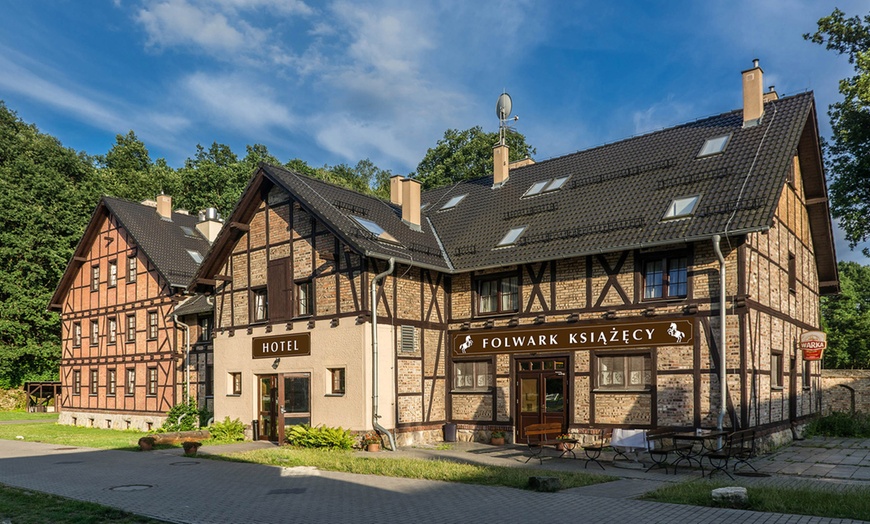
x,y
813,344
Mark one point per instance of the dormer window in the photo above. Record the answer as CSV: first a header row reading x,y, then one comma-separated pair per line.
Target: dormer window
x,y
453,202
681,207
511,237
375,229
714,146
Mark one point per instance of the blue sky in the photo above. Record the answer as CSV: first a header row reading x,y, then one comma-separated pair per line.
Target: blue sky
x,y
333,82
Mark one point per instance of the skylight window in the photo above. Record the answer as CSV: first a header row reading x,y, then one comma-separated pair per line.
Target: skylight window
x,y
536,188
681,207
557,183
545,186
512,236
195,255
714,145
453,202
188,231
375,229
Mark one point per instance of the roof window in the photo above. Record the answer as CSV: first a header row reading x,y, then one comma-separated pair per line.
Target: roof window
x,y
188,231
681,207
195,255
557,183
375,229
536,188
545,186
453,202
714,146
511,237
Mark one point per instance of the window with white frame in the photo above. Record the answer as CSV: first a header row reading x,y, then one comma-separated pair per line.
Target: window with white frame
x,y
472,376
77,334
260,305
112,382
235,383
113,273
131,328
95,381
113,330
152,381
623,372
131,269
152,325
95,332
130,386
204,329
77,382
304,298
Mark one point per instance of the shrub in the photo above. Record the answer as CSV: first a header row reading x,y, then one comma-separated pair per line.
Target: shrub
x,y
840,425
228,430
182,417
306,436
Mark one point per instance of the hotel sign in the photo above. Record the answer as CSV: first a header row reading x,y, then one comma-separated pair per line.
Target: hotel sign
x,y
622,335
281,346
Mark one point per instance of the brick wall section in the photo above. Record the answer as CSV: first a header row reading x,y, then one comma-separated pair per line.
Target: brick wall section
x,y
836,397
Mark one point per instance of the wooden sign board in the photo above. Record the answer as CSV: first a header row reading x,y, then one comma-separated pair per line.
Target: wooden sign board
x,y
281,346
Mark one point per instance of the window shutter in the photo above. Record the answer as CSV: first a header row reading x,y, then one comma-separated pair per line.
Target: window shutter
x,y
278,288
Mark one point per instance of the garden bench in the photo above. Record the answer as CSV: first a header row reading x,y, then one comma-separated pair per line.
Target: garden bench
x,y
539,436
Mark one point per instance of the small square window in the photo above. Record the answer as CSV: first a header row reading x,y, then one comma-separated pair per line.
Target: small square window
x,y
235,383
511,237
337,381
665,277
304,298
195,255
714,146
375,229
498,295
152,381
681,207
536,188
131,269
776,369
556,184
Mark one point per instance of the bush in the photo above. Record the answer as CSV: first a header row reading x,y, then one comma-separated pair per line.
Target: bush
x,y
306,436
840,425
228,430
182,417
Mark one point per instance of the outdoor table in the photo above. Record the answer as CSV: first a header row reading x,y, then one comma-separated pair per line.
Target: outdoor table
x,y
705,437
628,441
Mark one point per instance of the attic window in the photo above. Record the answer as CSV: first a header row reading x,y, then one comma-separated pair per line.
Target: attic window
x,y
188,231
714,145
681,207
453,202
545,186
375,229
195,255
557,183
512,236
424,206
536,188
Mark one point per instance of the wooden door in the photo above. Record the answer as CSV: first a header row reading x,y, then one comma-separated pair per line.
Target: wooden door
x,y
541,393
268,407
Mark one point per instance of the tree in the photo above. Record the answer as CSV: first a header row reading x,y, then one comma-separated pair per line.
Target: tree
x,y
849,152
463,155
846,319
128,172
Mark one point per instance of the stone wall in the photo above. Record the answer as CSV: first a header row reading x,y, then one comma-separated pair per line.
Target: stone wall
x,y
838,386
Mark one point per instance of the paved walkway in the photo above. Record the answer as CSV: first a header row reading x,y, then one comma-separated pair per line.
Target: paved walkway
x,y
168,486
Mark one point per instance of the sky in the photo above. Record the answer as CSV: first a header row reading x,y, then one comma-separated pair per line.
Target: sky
x,y
340,81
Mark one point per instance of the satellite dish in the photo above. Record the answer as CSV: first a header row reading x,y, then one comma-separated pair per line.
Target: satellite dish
x,y
503,106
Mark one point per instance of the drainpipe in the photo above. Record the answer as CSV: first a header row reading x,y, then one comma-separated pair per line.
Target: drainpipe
x,y
374,303
186,354
722,384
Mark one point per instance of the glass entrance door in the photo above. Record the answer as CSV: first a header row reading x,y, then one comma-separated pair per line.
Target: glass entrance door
x,y
297,399
268,407
541,393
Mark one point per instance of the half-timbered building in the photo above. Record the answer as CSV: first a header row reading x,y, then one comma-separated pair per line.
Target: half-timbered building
x,y
600,289
128,351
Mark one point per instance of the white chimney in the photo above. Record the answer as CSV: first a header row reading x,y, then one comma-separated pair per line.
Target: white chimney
x,y
411,203
209,224
164,207
753,95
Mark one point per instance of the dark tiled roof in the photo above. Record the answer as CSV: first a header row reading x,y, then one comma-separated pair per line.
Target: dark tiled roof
x,y
194,305
164,242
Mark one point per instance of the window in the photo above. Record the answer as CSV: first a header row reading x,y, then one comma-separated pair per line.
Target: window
x,y
95,278
152,381
375,229
113,330
195,255
337,381
776,369
131,328
304,298
95,381
792,273
665,278
77,334
807,374
260,304
113,381
152,325
95,332
113,273
557,183
536,188
624,372
77,382
131,382
235,383
545,186
131,269
681,207
204,329
209,380
499,295
453,202
511,237
714,145
472,376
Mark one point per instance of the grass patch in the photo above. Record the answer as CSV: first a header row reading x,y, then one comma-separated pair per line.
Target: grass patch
x,y
23,415
72,435
348,462
850,504
839,424
27,507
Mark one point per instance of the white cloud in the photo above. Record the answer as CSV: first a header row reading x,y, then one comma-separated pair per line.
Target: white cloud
x,y
662,114
177,22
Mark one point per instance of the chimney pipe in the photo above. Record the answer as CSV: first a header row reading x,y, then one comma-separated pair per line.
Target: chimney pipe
x,y
500,165
411,203
396,189
753,95
209,224
164,206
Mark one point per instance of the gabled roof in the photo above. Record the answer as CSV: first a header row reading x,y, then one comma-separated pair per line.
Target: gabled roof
x,y
193,305
615,198
163,242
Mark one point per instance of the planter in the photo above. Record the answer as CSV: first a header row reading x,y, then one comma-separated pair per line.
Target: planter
x,y
146,443
497,441
373,447
560,446
190,448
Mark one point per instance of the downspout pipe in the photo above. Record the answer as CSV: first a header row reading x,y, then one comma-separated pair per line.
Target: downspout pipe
x,y
723,410
186,355
374,303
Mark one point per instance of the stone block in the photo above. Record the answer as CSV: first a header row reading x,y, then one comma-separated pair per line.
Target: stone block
x,y
731,496
547,484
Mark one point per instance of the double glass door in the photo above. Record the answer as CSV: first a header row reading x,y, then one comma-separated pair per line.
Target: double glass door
x,y
542,393
284,400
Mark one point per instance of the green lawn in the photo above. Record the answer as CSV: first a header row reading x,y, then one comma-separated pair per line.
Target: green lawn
x,y
72,435
23,415
851,504
28,507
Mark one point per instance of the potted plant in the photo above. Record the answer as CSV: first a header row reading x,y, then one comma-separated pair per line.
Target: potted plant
x,y
563,437
372,441
146,443
497,438
190,448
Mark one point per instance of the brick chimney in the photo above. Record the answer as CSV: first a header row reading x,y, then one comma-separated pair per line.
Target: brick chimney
x,y
396,189
410,203
164,206
753,95
500,165
209,224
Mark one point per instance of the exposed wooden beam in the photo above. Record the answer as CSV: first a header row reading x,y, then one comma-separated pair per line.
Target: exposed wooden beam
x,y
239,226
223,278
816,200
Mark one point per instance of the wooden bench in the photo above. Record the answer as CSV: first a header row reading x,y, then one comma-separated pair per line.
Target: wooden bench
x,y
739,446
539,436
661,444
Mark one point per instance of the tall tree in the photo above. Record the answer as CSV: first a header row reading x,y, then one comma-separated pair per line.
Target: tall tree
x,y
463,155
849,152
846,319
127,171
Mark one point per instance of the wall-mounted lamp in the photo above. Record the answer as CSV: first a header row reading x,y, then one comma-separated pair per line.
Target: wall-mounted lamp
x,y
276,362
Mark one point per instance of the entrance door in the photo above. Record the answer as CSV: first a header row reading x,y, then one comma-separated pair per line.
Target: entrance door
x,y
542,393
285,400
268,407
